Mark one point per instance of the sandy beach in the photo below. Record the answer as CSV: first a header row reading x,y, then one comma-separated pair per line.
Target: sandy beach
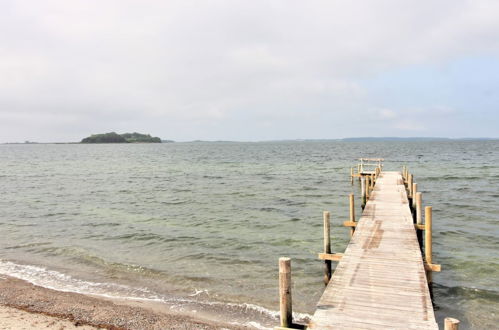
x,y
13,318
27,306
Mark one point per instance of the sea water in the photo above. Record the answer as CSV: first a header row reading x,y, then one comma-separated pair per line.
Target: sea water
x,y
200,226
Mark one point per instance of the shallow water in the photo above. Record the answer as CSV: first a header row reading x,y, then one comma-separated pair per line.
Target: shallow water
x,y
204,223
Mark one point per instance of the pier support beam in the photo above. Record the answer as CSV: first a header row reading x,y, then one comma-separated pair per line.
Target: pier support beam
x,y
285,303
352,212
327,246
363,191
419,217
413,195
409,186
451,324
427,240
368,186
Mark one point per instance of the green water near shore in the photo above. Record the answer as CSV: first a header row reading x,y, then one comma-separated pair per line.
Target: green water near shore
x,y
210,220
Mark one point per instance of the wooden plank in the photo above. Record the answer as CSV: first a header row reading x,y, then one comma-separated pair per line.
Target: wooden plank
x,y
380,280
330,256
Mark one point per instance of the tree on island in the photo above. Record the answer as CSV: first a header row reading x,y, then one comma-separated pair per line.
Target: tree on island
x,y
113,137
137,137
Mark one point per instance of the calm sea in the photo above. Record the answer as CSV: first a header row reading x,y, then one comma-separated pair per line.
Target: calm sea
x,y
200,226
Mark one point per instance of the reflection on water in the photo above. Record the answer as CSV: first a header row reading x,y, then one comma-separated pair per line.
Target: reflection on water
x,y
175,219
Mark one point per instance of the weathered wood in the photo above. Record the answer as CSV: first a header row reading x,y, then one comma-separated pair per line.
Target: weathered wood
x,y
350,224
432,267
451,323
380,280
427,240
413,194
327,246
352,212
419,211
286,310
368,187
409,185
363,191
330,256
419,206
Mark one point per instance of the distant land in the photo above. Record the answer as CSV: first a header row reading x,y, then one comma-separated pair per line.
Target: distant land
x,y
389,138
114,137
374,139
146,138
383,139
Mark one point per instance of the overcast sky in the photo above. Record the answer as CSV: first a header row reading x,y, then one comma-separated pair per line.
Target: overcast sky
x,y
248,70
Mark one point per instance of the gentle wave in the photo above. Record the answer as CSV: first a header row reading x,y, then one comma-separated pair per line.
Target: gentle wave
x,y
55,280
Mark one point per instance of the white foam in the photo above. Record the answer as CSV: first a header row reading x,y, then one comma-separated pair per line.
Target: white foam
x,y
62,282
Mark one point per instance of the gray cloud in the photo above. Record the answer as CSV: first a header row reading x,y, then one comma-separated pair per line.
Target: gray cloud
x,y
218,69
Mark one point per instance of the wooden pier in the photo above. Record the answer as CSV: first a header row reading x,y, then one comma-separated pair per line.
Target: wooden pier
x,y
382,280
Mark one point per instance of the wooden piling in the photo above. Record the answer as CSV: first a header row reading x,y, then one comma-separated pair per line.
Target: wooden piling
x,y
368,186
285,303
419,216
409,186
363,191
414,193
351,175
358,172
427,240
327,246
451,324
352,213
419,207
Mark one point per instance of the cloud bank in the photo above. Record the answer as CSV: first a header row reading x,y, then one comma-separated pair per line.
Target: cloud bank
x,y
247,70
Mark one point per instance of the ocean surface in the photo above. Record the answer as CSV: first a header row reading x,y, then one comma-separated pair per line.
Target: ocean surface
x,y
200,226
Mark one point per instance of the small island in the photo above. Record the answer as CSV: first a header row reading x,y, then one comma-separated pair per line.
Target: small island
x,y
113,137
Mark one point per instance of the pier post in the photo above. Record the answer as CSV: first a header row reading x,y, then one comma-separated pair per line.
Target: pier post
x,y
419,207
327,246
419,216
363,190
285,303
352,213
409,186
427,241
358,172
351,175
414,193
451,324
368,185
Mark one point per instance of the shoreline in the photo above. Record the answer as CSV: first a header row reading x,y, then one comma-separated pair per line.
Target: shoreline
x,y
78,309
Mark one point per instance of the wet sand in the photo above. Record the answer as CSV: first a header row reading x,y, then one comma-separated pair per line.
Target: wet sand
x,y
24,305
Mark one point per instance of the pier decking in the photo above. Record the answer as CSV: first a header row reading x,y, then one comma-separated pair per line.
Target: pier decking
x,y
380,280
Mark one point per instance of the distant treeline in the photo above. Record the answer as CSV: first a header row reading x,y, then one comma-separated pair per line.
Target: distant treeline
x,y
113,137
